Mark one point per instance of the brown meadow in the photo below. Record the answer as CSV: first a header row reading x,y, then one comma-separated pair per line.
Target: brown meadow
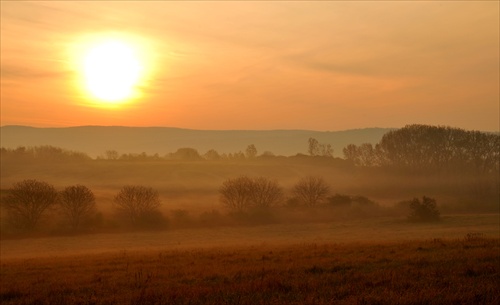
x,y
433,271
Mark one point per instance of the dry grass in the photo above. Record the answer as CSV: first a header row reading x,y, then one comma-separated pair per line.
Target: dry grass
x,y
438,271
295,231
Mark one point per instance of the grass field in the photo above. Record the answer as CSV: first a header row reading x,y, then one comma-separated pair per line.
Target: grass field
x,y
377,229
438,271
376,261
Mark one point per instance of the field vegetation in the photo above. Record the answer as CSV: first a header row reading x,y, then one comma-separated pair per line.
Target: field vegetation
x,y
436,271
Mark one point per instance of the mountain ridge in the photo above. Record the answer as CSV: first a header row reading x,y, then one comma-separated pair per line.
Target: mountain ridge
x,y
95,140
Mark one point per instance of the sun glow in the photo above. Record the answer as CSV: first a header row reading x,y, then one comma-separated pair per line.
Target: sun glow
x,y
112,68
111,71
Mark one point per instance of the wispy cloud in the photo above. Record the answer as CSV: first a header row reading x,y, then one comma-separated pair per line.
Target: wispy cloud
x,y
20,72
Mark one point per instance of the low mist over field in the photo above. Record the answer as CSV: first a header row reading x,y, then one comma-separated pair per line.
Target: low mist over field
x,y
187,188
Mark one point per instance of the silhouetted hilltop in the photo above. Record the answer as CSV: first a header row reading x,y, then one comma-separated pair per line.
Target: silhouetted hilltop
x,y
95,140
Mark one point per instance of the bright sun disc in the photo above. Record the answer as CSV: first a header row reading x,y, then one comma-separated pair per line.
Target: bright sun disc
x,y
111,71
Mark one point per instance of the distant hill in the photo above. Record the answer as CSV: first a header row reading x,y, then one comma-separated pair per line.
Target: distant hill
x,y
95,140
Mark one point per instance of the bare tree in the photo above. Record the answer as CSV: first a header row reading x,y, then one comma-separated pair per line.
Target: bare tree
x,y
319,149
311,190
326,150
266,193
137,202
351,153
77,202
237,193
27,201
313,149
243,192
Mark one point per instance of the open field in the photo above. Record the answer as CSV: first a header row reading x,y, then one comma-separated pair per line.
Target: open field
x,y
380,229
435,271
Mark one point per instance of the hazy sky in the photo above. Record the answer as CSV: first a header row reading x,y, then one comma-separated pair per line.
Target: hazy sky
x,y
260,65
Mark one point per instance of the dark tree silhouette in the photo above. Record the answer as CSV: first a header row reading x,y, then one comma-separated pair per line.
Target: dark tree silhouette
x,y
137,202
338,200
311,190
438,148
44,153
351,153
212,155
266,193
251,151
111,154
313,149
77,202
319,149
424,148
236,193
243,193
27,201
364,155
186,153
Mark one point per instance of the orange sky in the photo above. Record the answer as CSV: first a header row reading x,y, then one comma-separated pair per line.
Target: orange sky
x,y
261,65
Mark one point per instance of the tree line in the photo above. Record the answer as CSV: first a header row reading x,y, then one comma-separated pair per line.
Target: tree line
x,y
27,201
43,153
244,193
48,153
430,148
414,148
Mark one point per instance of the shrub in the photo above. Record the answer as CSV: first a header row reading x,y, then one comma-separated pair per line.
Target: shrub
x,y
292,202
254,216
424,211
152,219
363,201
339,200
181,218
211,218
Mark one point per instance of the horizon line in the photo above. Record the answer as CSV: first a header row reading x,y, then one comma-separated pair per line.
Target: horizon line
x,y
193,129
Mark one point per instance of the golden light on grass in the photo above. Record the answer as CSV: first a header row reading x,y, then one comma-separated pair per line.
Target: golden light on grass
x,y
440,271
112,68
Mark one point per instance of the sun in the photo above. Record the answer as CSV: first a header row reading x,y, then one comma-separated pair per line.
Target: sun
x,y
111,70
